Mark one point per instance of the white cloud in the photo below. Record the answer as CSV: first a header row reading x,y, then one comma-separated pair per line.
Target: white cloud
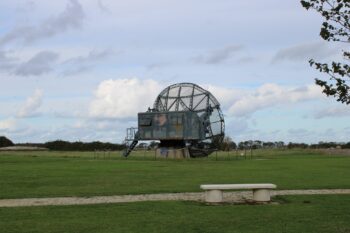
x,y
6,62
71,18
219,55
117,102
123,98
103,8
31,105
92,56
340,111
79,64
39,64
225,96
269,95
7,124
304,52
244,102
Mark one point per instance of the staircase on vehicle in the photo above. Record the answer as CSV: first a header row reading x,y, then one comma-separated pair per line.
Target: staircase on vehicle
x,y
131,140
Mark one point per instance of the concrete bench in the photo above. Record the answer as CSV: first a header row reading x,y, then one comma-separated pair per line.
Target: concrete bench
x,y
213,192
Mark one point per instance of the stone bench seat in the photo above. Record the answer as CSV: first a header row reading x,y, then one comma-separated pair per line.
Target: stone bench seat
x,y
261,192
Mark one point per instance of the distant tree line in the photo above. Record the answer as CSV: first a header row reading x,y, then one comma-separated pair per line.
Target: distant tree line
x,y
226,145
322,145
60,145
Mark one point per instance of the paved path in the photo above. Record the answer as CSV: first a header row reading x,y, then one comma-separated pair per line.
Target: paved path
x,y
228,197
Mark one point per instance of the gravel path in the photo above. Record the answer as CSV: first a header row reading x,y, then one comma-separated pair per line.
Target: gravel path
x,y
228,197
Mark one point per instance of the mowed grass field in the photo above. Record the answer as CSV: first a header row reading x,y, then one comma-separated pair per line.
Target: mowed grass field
x,y
57,174
297,214
53,174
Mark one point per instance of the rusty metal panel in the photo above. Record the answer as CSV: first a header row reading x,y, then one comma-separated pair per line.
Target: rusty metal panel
x,y
182,125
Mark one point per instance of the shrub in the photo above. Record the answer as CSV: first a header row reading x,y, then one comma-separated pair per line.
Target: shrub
x,y
4,142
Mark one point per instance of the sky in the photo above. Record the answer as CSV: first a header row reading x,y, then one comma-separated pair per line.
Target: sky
x,y
81,70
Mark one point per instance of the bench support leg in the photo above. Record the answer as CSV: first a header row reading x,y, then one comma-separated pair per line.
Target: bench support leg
x,y
213,196
261,195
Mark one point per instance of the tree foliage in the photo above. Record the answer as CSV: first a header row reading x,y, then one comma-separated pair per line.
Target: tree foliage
x,y
5,142
227,144
60,145
336,27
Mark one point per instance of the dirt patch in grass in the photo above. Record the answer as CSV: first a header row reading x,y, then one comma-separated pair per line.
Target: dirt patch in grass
x,y
242,197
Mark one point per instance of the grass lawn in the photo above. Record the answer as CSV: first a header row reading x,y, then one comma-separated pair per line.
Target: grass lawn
x,y
51,174
328,213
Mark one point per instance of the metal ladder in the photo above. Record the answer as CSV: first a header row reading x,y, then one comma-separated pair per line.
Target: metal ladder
x,y
131,140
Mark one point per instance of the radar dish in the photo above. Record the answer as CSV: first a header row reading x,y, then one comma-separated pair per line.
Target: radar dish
x,y
191,97
184,116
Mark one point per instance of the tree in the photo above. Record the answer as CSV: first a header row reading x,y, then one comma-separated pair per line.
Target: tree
x,y
292,145
268,144
5,142
60,145
227,144
336,27
153,145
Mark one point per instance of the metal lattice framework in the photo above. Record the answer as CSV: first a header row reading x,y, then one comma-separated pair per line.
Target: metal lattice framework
x,y
191,97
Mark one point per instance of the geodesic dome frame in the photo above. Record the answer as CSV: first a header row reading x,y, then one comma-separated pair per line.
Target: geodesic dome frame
x,y
191,97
